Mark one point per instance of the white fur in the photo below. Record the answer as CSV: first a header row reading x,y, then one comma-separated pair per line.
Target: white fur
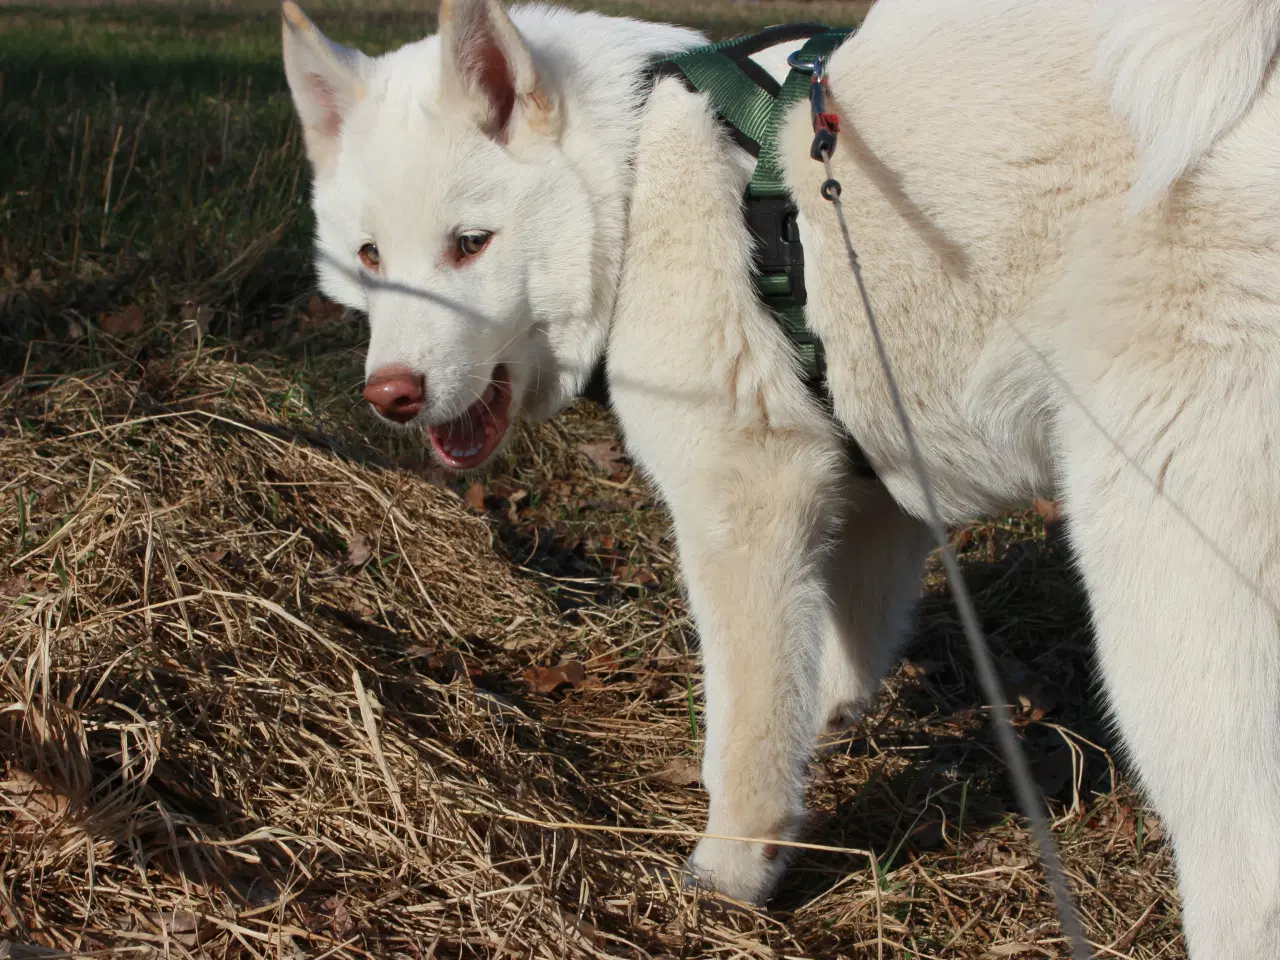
x,y
540,298
1048,339
1183,72
774,59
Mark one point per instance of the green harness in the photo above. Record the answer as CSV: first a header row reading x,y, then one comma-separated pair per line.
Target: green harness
x,y
752,105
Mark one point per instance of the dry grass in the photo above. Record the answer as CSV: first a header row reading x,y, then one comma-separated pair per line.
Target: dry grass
x,y
264,694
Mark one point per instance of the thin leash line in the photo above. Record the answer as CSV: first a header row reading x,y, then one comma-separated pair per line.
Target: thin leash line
x,y
1019,771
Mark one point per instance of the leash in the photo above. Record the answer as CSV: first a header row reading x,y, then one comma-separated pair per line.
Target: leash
x,y
826,130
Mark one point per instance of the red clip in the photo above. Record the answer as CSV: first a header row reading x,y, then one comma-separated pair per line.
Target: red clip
x,y
826,125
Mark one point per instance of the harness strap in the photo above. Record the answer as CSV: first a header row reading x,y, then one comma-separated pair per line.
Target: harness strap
x,y
744,94
767,180
752,106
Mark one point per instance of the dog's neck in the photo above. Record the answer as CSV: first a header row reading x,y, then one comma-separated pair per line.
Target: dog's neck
x,y
599,65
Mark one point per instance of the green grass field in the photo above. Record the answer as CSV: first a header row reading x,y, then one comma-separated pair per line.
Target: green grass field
x,y
272,685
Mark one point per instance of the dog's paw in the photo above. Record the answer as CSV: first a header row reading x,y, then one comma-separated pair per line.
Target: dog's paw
x,y
842,697
741,871
840,716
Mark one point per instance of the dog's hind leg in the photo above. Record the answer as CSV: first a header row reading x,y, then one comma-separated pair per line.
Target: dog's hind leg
x,y
874,573
1172,507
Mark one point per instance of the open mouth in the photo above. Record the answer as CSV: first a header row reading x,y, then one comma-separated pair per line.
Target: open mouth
x,y
469,440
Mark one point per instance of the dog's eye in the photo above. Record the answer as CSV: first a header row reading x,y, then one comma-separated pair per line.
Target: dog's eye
x,y
369,256
472,243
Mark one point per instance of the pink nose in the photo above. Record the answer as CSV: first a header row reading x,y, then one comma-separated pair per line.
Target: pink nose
x,y
396,393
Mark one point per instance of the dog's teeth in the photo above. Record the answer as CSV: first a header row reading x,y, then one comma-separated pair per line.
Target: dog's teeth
x,y
491,394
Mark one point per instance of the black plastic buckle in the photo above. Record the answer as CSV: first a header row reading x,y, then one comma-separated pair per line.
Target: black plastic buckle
x,y
779,253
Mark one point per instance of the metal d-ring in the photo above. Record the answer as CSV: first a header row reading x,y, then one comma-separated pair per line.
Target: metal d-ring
x,y
804,66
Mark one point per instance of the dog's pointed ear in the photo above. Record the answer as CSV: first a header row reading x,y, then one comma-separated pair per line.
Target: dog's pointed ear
x,y
326,81
488,66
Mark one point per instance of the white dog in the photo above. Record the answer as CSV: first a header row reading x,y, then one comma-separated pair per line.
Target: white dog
x,y
1068,218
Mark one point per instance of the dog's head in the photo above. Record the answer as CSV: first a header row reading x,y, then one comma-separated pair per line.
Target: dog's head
x,y
447,210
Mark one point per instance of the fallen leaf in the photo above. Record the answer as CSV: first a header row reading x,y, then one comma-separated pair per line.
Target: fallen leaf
x,y
183,926
926,835
639,576
999,855
126,323
961,538
321,311
982,847
1050,510
1030,690
455,666
921,668
681,771
1031,711
1124,823
15,586
1127,938
340,921
475,497
358,552
547,679
1152,830
605,457
659,688
34,803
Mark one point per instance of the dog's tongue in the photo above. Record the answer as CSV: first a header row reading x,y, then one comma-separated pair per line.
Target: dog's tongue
x,y
460,437
468,441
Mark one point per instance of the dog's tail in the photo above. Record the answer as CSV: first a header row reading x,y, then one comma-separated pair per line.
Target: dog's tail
x,y
1182,72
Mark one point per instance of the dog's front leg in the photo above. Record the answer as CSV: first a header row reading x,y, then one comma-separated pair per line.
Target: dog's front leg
x,y
713,410
753,516
751,535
